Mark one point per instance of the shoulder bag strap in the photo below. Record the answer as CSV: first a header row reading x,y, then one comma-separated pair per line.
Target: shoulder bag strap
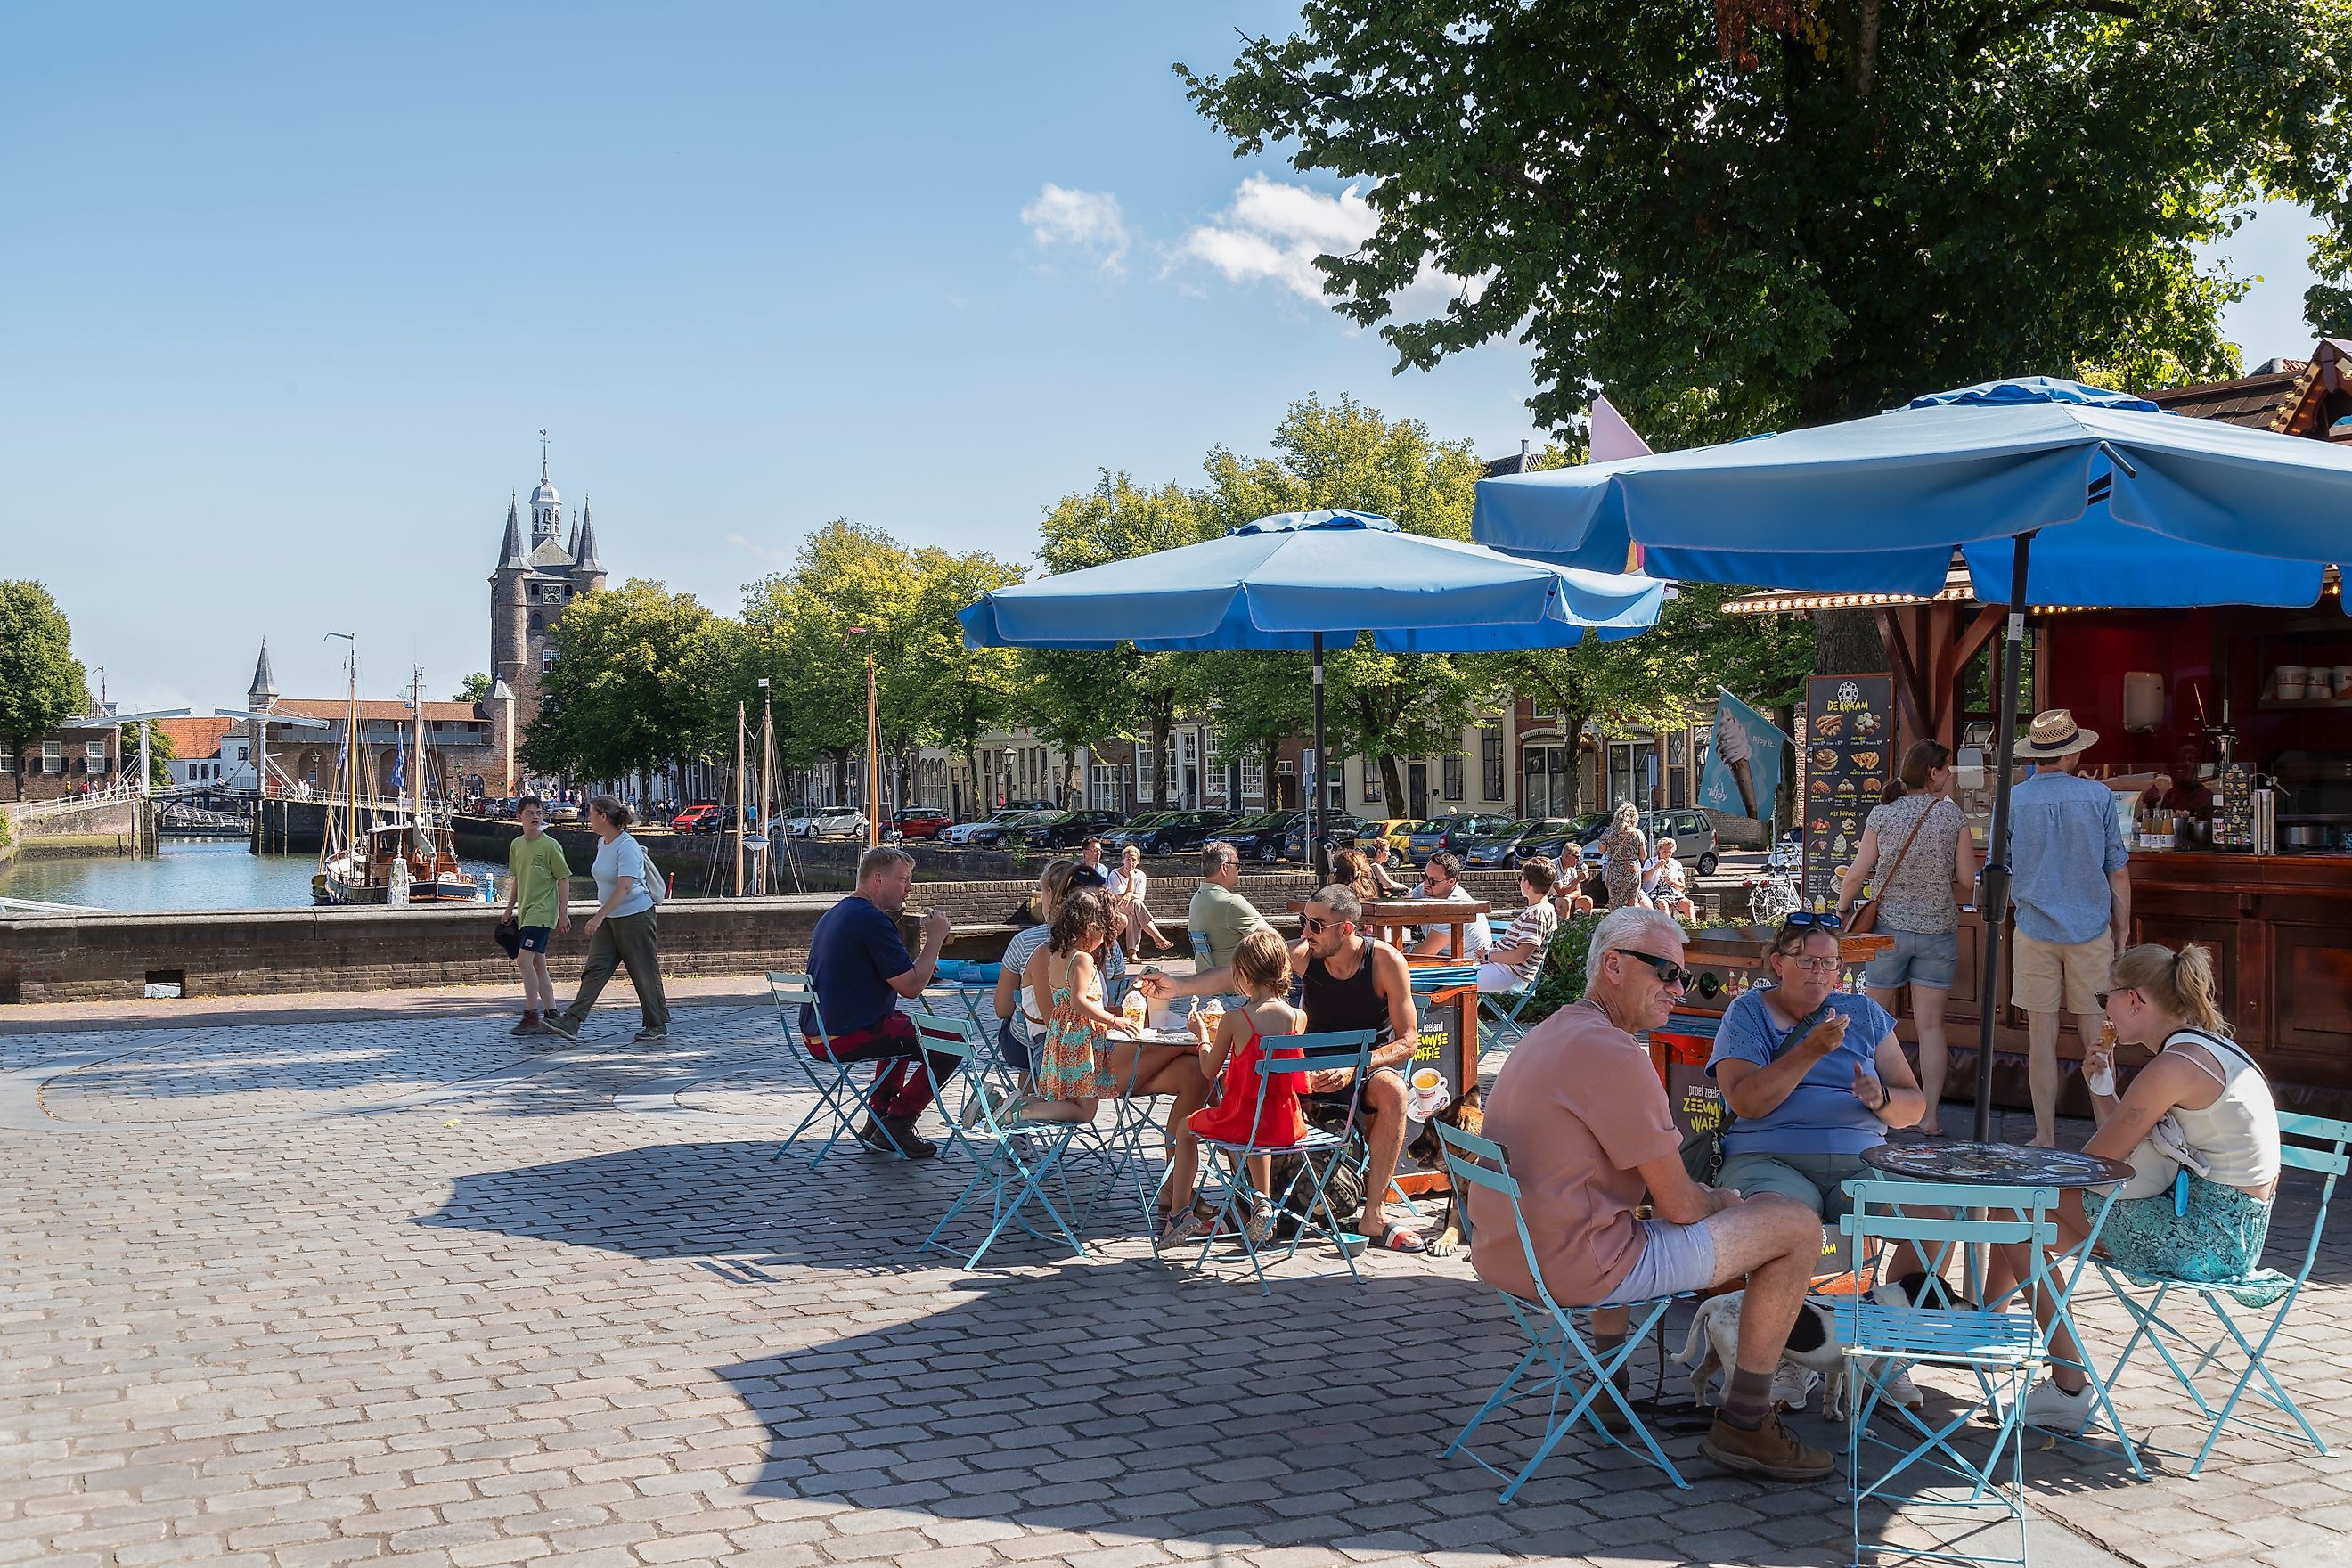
x,y
1913,838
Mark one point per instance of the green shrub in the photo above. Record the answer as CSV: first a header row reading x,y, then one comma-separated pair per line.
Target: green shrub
x,y
1562,981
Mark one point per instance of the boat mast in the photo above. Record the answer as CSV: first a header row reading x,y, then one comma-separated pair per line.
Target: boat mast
x,y
416,778
738,800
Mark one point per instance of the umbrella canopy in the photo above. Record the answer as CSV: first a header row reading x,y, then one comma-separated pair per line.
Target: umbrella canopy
x,y
1288,580
2158,510
2054,493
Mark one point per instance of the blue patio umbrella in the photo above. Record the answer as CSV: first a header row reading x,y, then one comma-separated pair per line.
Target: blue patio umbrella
x,y
2053,492
1290,580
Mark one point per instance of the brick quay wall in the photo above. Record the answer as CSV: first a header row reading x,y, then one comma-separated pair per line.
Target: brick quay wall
x,y
251,952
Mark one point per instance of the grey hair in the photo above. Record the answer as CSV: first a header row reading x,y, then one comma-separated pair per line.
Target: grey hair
x,y
1341,900
881,858
1627,814
1622,929
1215,853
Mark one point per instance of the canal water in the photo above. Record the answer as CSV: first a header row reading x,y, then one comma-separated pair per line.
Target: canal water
x,y
188,874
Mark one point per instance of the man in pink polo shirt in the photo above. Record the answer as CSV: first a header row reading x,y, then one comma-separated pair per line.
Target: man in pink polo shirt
x,y
1580,1109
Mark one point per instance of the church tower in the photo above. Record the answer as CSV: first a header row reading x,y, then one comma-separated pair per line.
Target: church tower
x,y
538,575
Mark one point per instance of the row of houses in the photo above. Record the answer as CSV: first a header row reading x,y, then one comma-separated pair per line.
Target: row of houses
x,y
1518,761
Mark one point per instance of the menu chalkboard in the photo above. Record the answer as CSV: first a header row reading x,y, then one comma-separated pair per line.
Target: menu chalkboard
x,y
1849,755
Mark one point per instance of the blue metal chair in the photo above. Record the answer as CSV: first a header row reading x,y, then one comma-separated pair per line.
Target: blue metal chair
x,y
1299,1054
1573,1370
839,1096
1015,1165
2322,1148
1498,1011
2001,1351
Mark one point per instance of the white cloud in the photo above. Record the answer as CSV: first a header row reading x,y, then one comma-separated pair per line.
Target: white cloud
x,y
1089,221
764,551
1273,232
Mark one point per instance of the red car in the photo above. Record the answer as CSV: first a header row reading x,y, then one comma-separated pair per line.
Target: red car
x,y
694,817
920,822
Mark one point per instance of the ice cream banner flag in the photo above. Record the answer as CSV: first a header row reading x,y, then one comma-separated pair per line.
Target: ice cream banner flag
x,y
1742,776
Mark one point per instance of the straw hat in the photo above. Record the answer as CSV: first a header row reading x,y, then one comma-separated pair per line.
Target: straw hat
x,y
2055,733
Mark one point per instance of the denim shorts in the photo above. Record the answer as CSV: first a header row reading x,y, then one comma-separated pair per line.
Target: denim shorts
x,y
1674,1259
533,939
1012,1046
1921,958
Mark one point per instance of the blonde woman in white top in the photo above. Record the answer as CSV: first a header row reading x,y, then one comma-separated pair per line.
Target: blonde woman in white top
x,y
1129,887
2218,1100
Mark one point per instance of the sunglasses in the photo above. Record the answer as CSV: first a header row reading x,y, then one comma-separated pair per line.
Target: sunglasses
x,y
1316,925
1669,972
1826,919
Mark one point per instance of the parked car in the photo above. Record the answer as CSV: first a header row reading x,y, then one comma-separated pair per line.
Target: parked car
x,y
1558,833
1181,831
797,823
1509,844
1449,832
962,832
1261,837
921,822
838,822
563,811
1340,831
499,809
1131,831
1064,830
995,835
1395,830
691,818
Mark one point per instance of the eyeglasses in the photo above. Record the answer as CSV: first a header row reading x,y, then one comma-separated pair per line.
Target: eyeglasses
x,y
1669,973
1818,966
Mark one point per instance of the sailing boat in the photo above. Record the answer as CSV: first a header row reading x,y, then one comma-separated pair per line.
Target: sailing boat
x,y
411,858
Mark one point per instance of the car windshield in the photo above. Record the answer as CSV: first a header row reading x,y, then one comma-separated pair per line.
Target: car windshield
x,y
1433,826
1511,829
1269,820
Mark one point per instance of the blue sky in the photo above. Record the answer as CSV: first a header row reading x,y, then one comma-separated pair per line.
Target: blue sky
x,y
287,292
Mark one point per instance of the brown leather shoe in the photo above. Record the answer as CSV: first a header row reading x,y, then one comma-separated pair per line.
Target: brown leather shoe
x,y
1771,1450
530,1025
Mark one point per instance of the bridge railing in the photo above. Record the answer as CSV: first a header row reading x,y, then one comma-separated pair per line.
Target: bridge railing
x,y
38,810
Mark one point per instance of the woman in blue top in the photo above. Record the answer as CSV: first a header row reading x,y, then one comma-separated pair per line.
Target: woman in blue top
x,y
621,933
1813,1073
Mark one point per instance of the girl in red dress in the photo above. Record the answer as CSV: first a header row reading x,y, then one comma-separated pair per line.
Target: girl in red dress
x,y
1238,1115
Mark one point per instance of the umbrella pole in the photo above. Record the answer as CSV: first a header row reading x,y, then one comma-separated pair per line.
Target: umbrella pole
x,y
1992,902
1315,784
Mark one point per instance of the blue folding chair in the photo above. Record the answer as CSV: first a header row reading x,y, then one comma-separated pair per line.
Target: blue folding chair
x,y
1498,1011
1299,1054
1016,1165
1574,1371
839,1096
2306,1143
2001,1351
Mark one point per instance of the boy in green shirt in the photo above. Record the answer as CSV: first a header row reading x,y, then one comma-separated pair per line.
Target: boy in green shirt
x,y
537,887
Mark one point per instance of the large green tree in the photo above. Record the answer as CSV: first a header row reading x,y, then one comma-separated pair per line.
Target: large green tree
x,y
1757,213
41,683
633,686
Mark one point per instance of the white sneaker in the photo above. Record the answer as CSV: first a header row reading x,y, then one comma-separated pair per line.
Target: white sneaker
x,y
1793,1387
1904,1392
2054,1409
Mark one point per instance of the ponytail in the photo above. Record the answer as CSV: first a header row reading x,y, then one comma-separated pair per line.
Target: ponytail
x,y
2181,984
1923,758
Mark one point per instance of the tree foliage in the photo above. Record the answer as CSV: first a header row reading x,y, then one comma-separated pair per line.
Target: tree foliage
x,y
41,683
159,752
631,686
1757,213
476,689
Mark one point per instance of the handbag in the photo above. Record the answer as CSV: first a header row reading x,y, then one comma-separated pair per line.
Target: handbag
x,y
1862,918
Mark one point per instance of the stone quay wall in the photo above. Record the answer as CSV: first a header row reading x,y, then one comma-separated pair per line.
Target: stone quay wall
x,y
109,827
247,952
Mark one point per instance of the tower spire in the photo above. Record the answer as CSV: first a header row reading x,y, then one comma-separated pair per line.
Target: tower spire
x,y
583,552
510,553
264,689
542,456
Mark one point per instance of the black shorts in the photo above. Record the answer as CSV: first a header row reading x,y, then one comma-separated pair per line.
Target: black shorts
x,y
534,939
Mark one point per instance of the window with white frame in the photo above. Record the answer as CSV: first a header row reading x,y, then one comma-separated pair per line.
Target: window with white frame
x,y
1337,773
1453,775
1253,778
8,762
1371,769
94,756
1212,774
546,659
53,757
1490,764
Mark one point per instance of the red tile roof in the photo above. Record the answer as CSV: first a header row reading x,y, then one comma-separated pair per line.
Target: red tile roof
x,y
371,712
194,736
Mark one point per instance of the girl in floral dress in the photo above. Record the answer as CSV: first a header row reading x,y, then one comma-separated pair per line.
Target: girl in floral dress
x,y
1069,1070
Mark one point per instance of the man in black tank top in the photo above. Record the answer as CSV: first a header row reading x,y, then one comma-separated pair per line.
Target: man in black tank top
x,y
1350,981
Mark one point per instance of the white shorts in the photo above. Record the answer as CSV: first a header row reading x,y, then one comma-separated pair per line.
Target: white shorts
x,y
1500,977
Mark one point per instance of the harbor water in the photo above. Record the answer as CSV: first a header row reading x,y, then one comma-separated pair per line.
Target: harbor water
x,y
187,874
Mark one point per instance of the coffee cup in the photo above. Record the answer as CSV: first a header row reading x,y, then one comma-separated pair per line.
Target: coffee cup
x,y
1427,1096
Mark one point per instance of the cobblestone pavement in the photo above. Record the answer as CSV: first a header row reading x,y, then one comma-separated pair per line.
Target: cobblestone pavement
x,y
301,1289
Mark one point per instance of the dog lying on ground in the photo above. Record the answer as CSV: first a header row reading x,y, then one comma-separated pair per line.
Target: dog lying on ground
x,y
1812,1341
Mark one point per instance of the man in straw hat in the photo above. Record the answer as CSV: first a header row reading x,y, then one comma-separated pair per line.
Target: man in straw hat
x,y
2072,895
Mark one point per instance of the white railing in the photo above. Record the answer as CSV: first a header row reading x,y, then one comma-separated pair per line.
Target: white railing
x,y
36,810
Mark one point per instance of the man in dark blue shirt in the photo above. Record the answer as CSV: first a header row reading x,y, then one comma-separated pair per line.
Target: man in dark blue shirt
x,y
859,968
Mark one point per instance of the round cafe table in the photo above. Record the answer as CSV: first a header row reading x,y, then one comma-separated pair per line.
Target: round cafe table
x,y
2019,1165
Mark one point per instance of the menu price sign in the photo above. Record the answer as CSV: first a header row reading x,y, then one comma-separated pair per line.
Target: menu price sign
x,y
1849,756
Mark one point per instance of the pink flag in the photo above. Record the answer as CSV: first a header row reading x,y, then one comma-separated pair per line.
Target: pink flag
x,y
1613,440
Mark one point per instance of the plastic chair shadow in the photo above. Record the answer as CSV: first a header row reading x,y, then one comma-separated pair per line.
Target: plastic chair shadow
x,y
1571,1371
2001,1351
841,1101
1318,1153
2312,1143
1016,1165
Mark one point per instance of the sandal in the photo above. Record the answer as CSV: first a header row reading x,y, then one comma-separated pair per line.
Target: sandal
x,y
1395,1236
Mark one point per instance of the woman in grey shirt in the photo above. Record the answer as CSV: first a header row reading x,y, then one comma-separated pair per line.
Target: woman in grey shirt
x,y
1919,905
